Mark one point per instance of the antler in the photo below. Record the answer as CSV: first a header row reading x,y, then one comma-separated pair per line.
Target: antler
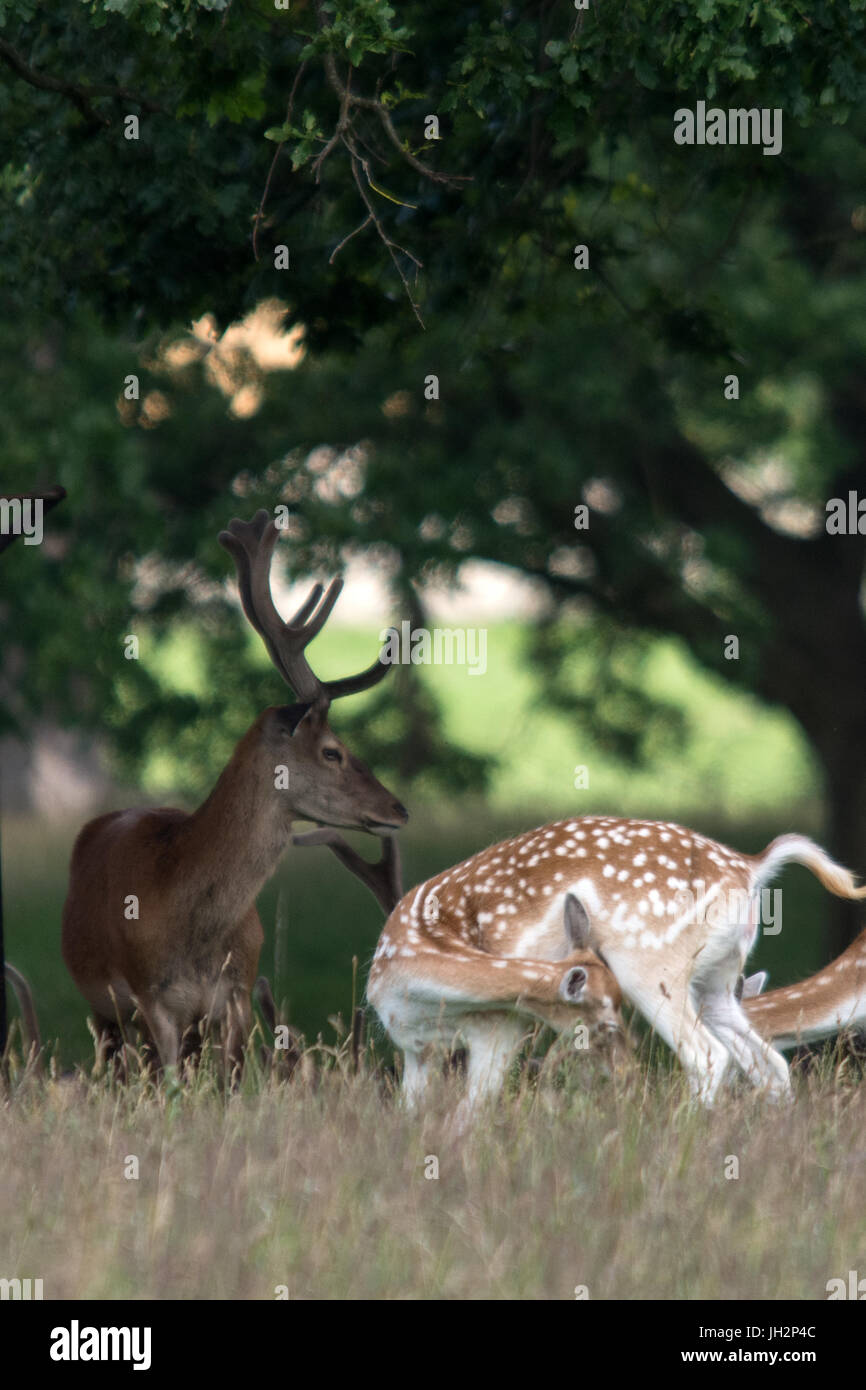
x,y
384,878
251,545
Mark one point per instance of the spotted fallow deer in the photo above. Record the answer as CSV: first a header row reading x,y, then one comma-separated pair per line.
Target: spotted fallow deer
x,y
160,914
672,913
826,1003
563,995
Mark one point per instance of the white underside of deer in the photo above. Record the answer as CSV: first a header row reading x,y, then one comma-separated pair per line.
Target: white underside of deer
x,y
673,913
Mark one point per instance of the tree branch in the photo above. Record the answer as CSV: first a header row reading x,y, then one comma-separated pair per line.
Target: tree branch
x,y
80,96
392,246
349,99
259,217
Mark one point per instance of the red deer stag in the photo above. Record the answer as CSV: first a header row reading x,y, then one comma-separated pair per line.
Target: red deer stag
x,y
160,914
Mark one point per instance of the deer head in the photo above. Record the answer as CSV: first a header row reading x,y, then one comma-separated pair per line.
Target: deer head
x,y
293,746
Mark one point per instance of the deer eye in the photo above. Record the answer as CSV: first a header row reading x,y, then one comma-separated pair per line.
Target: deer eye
x,y
333,755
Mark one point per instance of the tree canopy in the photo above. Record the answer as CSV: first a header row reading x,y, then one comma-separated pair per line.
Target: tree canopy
x,y
562,381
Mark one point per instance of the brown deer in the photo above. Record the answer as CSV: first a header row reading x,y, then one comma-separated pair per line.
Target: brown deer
x,y
160,914
672,913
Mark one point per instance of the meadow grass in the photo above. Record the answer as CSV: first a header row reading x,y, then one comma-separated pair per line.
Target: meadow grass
x,y
318,1186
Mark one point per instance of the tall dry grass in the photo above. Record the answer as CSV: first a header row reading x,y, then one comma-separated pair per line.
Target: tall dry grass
x,y
319,1185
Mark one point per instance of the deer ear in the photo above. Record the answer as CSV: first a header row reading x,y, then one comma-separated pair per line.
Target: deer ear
x,y
578,928
572,984
753,984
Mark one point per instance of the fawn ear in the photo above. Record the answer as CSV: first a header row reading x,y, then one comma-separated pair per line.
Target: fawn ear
x,y
577,923
572,984
753,984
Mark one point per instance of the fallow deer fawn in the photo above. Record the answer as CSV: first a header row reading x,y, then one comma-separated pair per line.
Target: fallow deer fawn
x,y
671,912
160,914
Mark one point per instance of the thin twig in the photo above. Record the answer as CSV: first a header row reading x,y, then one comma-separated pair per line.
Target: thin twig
x,y
337,249
392,246
320,158
416,164
349,99
277,152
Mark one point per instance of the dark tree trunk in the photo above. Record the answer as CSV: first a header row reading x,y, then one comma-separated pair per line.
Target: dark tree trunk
x,y
845,769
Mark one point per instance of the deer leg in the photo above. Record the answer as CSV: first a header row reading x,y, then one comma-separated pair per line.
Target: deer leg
x,y
714,986
704,1057
110,1048
164,1031
417,1071
236,1030
491,1043
762,1064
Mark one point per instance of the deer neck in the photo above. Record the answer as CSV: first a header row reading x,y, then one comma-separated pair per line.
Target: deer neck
x,y
237,836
